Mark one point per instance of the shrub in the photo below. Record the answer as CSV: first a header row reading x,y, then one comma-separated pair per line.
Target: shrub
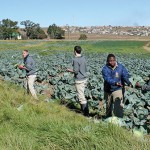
x,y
82,37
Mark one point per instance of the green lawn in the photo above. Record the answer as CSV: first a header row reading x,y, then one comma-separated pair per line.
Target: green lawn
x,y
50,126
125,47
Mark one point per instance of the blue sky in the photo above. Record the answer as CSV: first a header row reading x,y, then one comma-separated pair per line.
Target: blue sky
x,y
78,12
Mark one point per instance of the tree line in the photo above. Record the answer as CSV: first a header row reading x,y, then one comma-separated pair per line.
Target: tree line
x,y
9,29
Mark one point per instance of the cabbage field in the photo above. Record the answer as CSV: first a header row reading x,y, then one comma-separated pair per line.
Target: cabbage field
x,y
51,72
53,78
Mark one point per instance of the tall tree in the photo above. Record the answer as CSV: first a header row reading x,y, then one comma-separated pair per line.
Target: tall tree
x,y
8,28
33,30
55,32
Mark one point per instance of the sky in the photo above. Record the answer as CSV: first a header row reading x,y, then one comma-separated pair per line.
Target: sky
x,y
78,12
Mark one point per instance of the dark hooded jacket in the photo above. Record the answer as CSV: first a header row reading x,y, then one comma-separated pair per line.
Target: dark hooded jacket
x,y
112,76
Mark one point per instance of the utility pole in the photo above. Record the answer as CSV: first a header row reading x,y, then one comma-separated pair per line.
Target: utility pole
x,y
1,35
68,30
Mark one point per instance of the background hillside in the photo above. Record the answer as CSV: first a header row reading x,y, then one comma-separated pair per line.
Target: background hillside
x,y
108,32
105,32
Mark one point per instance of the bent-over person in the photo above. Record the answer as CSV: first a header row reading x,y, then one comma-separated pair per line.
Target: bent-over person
x,y
145,87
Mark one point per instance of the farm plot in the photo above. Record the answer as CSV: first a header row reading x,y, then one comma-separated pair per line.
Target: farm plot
x,y
51,74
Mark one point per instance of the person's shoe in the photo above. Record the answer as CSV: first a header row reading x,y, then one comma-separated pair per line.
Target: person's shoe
x,y
85,109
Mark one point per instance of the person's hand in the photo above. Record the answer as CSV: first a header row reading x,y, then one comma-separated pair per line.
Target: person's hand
x,y
130,85
69,70
20,66
137,85
119,84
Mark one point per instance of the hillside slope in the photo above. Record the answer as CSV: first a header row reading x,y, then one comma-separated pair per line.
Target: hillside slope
x,y
29,125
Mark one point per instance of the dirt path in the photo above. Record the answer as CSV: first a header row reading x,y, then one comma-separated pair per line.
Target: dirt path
x,y
146,47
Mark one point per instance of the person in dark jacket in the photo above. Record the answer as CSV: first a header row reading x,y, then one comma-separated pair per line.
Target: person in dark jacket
x,y
29,66
79,70
145,87
115,76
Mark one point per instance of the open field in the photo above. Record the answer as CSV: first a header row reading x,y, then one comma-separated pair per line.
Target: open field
x,y
27,124
102,46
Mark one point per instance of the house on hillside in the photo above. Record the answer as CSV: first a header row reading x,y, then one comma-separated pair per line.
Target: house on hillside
x,y
16,36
